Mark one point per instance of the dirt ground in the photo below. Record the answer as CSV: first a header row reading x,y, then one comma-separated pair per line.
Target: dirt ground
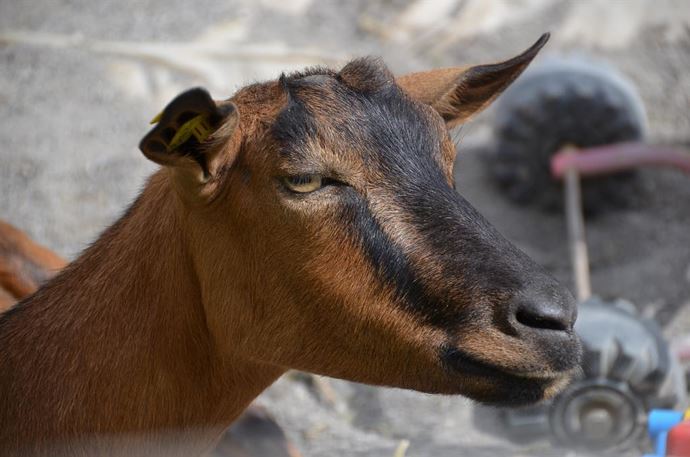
x,y
80,79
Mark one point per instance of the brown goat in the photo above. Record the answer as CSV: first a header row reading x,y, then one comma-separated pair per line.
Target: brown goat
x,y
308,223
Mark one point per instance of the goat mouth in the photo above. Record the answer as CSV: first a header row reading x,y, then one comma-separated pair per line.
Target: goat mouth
x,y
503,386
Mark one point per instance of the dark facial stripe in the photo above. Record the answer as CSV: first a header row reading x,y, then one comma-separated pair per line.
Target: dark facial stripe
x,y
474,258
465,244
506,387
294,127
468,246
393,267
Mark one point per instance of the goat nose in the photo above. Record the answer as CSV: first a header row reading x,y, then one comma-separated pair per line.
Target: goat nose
x,y
541,313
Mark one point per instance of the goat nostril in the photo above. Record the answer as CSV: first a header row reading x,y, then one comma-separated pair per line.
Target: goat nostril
x,y
546,320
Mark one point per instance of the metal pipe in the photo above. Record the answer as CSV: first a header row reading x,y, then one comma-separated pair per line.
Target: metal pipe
x,y
601,160
576,232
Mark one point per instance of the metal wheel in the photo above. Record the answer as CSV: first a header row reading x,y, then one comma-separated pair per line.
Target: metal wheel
x,y
628,369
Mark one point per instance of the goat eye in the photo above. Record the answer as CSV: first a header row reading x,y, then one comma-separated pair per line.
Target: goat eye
x,y
303,183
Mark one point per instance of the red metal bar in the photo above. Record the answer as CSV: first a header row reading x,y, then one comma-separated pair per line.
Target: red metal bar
x,y
617,157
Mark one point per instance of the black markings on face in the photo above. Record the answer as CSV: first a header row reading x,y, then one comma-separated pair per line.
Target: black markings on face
x,y
506,389
393,136
393,267
294,127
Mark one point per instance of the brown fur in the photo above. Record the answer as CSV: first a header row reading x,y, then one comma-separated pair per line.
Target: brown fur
x,y
255,434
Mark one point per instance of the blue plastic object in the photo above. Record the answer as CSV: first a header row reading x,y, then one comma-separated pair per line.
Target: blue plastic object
x,y
659,422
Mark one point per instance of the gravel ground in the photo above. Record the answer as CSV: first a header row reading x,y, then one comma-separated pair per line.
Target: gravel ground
x,y
80,79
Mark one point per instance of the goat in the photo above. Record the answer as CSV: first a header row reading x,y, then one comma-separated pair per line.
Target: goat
x,y
309,222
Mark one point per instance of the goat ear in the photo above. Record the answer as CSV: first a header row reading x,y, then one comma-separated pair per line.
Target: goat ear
x,y
188,132
460,92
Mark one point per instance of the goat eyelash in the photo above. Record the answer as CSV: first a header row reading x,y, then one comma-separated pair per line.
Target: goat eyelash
x,y
308,183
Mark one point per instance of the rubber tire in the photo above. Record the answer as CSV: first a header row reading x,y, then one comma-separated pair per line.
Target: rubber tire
x,y
561,102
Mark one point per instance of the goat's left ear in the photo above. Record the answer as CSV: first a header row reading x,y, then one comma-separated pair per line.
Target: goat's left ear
x,y
189,134
460,92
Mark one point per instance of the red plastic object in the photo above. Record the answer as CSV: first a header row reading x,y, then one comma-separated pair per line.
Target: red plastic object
x,y
678,441
617,157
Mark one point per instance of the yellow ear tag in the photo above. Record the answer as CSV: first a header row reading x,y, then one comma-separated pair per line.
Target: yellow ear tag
x,y
197,126
156,119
